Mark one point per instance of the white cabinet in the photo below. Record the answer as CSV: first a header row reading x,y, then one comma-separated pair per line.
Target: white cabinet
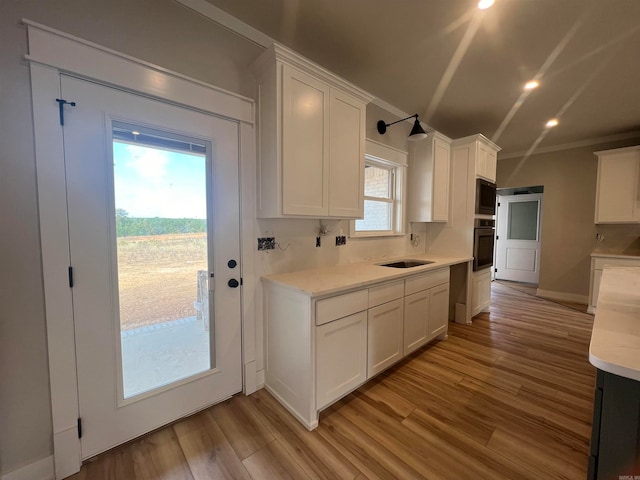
x,y
384,342
319,349
311,134
480,291
481,156
598,262
416,313
487,162
429,179
618,186
438,310
425,315
341,357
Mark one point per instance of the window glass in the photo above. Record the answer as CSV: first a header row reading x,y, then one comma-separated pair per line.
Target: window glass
x,y
381,208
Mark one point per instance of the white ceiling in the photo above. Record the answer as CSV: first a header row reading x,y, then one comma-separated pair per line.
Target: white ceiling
x,y
463,69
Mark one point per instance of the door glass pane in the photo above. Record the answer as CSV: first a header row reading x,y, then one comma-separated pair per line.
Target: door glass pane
x,y
523,221
160,191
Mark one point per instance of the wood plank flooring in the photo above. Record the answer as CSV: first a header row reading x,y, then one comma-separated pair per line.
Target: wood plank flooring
x,y
509,397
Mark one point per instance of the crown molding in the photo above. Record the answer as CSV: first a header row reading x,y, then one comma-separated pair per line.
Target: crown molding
x,y
227,21
578,144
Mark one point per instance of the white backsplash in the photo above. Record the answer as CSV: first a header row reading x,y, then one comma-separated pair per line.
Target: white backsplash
x,y
296,245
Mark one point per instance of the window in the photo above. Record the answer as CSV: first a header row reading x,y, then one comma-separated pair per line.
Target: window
x,y
383,182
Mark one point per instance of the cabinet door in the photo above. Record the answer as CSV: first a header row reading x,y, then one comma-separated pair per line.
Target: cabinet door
x,y
346,159
305,155
480,291
384,338
416,313
617,190
428,195
341,357
486,163
441,160
438,319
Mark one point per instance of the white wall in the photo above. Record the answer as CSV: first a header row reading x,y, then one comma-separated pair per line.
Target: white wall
x,y
161,32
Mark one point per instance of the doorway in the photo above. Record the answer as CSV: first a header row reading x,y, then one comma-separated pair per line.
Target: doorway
x,y
518,239
153,221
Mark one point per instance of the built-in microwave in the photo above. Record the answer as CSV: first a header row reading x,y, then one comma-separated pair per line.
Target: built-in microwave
x,y
485,197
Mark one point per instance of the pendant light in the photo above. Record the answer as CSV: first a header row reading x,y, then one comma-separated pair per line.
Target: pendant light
x,y
417,132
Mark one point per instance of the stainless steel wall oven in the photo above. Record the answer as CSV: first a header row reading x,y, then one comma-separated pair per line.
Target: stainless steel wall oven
x,y
484,234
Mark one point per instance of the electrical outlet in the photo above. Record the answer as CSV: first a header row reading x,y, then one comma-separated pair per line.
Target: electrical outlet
x,y
266,243
341,240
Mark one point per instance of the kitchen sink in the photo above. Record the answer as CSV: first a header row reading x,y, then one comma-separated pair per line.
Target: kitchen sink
x,y
406,263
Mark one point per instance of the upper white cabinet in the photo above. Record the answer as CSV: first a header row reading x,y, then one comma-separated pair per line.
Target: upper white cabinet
x,y
487,161
311,139
618,191
429,179
481,155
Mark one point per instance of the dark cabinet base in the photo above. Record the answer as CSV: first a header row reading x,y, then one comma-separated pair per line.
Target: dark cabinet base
x,y
615,435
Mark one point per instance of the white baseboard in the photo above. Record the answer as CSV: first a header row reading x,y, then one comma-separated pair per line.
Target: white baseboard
x,y
40,470
567,297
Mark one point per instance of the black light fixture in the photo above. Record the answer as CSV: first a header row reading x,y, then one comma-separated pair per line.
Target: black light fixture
x,y
417,132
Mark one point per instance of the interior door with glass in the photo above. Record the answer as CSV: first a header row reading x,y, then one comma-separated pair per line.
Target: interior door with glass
x,y
153,205
518,238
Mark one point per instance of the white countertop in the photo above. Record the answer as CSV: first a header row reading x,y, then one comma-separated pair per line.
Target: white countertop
x,y
615,339
329,280
614,255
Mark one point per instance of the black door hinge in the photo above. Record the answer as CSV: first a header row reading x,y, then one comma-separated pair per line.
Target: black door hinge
x,y
61,104
241,283
79,427
70,277
497,237
495,270
498,203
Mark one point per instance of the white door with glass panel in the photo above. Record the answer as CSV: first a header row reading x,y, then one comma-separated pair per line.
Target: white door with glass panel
x,y
518,238
153,205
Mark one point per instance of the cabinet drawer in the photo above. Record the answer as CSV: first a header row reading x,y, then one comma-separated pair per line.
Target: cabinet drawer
x,y
386,293
426,280
340,306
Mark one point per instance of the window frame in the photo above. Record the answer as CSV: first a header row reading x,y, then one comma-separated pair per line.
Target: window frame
x,y
392,162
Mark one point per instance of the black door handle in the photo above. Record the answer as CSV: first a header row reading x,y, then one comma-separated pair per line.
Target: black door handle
x,y
233,283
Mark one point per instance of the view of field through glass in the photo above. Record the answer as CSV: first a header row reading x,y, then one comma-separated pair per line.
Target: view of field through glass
x,y
162,259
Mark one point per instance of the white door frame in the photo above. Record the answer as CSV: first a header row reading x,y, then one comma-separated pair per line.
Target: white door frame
x,y
52,52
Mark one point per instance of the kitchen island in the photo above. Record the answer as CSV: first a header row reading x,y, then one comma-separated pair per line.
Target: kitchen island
x,y
615,352
329,330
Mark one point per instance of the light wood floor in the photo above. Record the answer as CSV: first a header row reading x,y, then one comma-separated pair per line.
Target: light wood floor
x,y
509,397
532,290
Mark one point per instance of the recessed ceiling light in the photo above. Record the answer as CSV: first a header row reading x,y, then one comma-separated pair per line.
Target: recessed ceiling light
x,y
531,85
552,123
484,4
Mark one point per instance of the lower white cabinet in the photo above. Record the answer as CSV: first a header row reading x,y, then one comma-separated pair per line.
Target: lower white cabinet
x,y
341,357
438,319
480,291
317,350
384,341
416,308
426,308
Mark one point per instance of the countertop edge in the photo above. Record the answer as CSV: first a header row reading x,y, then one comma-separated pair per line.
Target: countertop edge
x,y
400,274
614,368
615,255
